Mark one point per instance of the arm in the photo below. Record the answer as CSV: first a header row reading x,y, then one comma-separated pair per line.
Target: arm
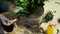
x,y
6,21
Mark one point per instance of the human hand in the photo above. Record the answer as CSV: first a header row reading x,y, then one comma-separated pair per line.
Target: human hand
x,y
4,20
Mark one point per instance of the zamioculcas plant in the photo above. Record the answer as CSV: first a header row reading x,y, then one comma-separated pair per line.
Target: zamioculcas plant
x,y
30,6
49,16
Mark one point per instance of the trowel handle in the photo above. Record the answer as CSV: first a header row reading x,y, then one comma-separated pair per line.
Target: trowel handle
x,y
12,21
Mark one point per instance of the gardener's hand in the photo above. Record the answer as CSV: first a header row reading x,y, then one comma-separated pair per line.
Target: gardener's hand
x,y
4,20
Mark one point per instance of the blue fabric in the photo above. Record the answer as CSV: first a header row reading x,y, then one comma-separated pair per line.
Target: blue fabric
x,y
4,6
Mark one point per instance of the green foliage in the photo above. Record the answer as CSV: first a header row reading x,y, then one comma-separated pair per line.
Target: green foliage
x,y
33,5
30,6
49,16
21,3
37,3
19,10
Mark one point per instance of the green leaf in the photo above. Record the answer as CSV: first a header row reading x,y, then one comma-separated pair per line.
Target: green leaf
x,y
21,0
49,15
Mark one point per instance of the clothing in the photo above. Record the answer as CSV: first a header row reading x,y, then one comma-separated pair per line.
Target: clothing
x,y
4,6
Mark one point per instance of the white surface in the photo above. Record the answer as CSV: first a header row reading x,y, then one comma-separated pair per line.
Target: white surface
x,y
54,7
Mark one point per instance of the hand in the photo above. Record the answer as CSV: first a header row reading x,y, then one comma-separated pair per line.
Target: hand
x,y
4,20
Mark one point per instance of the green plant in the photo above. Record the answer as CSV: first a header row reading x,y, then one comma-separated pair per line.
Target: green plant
x,y
30,6
19,10
33,5
21,3
49,16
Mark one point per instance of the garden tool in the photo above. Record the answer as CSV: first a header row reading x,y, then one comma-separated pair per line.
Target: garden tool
x,y
10,27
